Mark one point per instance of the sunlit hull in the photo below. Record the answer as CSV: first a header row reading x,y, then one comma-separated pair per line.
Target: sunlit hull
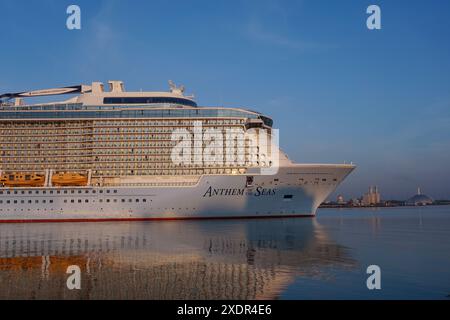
x,y
296,190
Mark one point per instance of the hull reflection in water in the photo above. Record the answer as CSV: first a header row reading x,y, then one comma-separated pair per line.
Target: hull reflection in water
x,y
169,260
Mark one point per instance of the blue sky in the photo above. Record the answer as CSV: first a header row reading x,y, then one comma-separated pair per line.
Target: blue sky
x,y
337,91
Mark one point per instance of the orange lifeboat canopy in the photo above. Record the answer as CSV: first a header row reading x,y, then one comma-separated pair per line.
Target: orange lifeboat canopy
x,y
22,180
69,179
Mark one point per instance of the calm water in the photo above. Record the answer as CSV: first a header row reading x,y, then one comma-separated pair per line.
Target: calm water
x,y
324,258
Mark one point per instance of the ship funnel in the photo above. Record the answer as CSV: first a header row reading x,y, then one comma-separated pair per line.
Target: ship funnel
x,y
97,87
116,86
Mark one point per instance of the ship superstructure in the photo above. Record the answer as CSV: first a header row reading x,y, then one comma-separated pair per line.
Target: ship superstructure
x,y
112,154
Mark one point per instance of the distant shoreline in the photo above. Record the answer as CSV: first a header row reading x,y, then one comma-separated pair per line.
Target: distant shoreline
x,y
347,206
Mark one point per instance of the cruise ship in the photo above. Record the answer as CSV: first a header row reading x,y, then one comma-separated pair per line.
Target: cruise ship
x,y
113,155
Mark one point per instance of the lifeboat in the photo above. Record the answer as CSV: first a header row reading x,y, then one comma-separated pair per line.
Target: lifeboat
x,y
22,180
69,179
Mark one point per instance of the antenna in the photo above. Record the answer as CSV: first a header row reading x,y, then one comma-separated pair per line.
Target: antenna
x,y
174,89
172,85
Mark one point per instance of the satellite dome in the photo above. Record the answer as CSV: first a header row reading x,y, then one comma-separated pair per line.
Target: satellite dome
x,y
419,199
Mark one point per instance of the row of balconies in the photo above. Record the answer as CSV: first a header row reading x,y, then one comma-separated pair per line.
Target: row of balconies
x,y
115,123
111,162
170,172
17,132
107,152
137,170
151,135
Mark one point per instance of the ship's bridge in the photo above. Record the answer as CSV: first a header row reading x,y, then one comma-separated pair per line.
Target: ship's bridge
x,y
118,96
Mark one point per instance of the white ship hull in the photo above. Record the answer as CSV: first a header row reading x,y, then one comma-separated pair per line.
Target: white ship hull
x,y
296,190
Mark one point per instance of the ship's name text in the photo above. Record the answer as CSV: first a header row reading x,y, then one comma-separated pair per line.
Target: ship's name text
x,y
260,191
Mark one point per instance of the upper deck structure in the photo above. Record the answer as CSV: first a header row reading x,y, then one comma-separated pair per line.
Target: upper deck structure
x,y
110,134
